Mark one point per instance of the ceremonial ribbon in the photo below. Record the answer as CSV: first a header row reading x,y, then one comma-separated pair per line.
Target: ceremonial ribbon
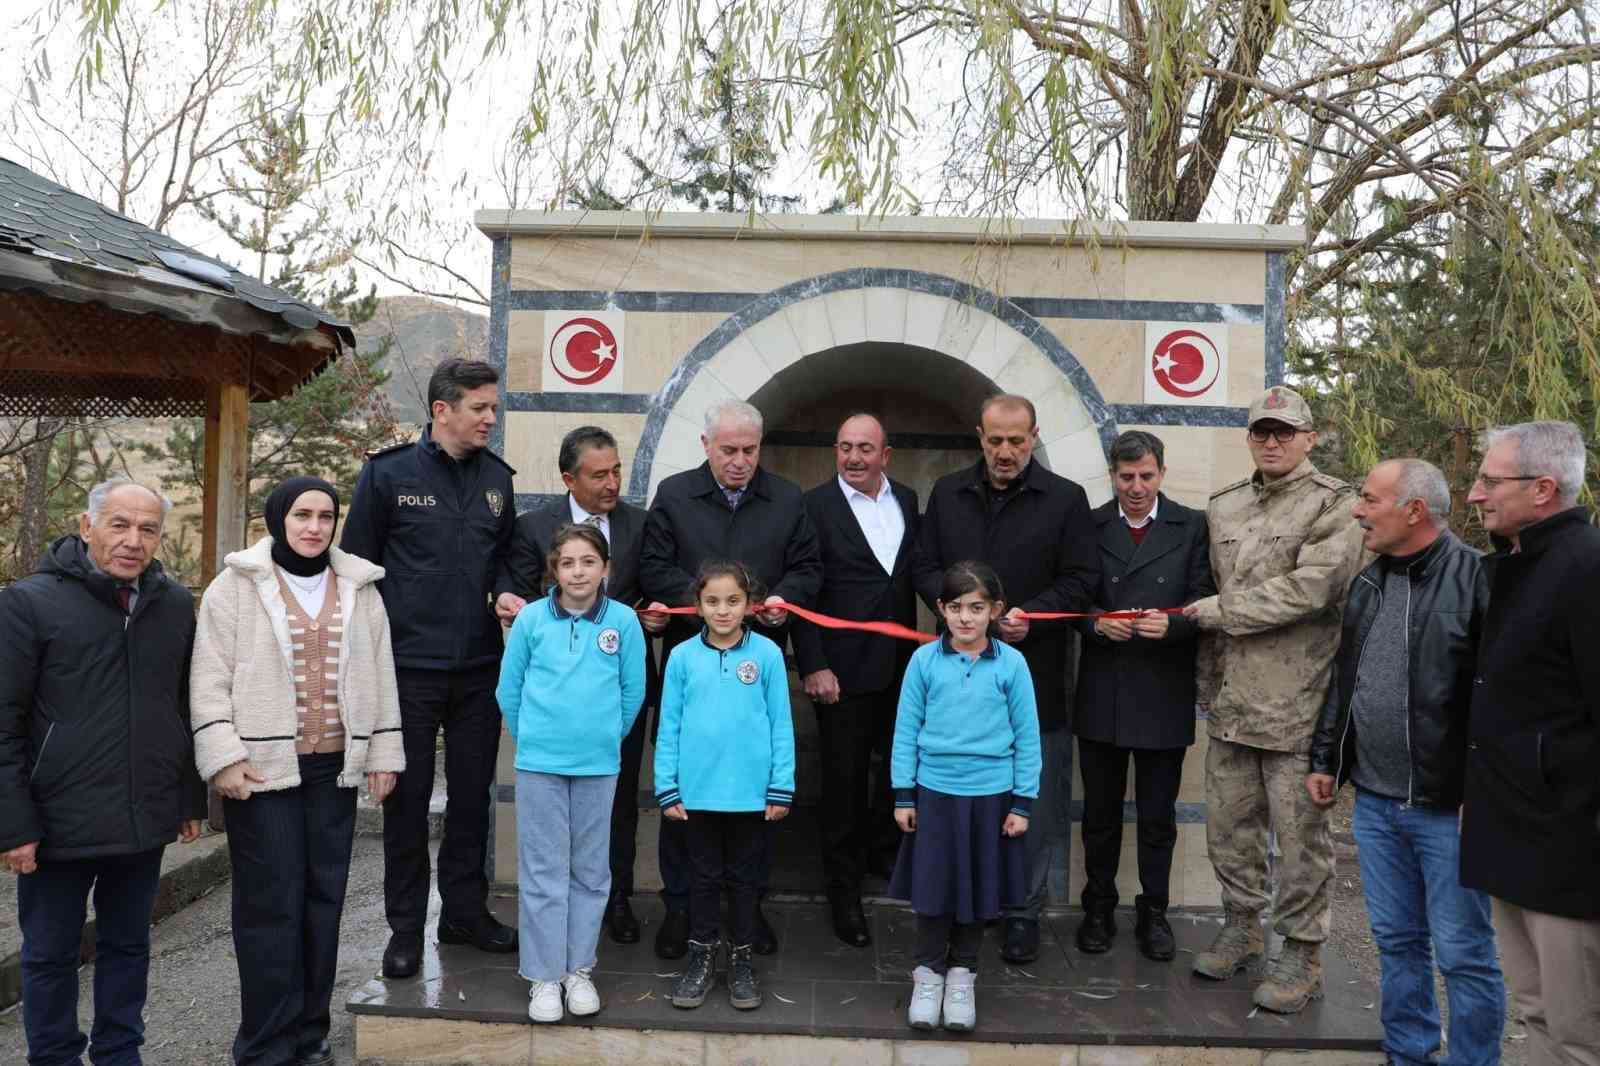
x,y
900,632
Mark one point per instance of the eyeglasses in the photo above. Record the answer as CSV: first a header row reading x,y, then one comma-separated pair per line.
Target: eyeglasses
x,y
1283,434
1489,481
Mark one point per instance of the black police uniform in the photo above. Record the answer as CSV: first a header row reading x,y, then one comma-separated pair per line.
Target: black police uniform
x,y
440,528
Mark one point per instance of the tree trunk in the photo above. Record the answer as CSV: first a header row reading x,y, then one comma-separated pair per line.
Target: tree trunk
x,y
33,526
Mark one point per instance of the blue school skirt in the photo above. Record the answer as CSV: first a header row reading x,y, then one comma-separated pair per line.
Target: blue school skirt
x,y
957,862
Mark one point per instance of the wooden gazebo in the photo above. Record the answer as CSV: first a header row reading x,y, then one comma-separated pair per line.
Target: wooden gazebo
x,y
103,317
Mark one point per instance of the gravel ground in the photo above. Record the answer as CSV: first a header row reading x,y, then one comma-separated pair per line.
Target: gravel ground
x,y
1352,936
194,986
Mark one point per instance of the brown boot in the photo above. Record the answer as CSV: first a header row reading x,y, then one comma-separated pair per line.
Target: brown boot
x,y
1238,945
1296,978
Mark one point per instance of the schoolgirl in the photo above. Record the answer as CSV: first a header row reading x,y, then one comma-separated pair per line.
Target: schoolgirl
x,y
725,766
965,769
571,683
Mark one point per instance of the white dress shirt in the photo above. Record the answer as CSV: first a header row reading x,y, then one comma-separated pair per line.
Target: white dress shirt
x,y
580,516
1151,517
880,520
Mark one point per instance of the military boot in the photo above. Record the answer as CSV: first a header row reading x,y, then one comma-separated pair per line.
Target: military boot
x,y
1238,945
1295,980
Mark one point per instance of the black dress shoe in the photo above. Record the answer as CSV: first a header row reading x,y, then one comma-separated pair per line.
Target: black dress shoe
x,y
620,922
1022,940
765,941
321,1055
403,956
849,922
672,939
486,934
1096,931
1156,941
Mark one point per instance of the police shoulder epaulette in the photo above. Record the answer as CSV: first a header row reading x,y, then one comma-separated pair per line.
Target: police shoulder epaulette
x,y
496,457
1224,490
1328,481
390,450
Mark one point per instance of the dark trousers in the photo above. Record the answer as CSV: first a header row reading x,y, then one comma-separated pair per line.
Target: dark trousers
x,y
725,849
52,903
854,814
625,810
943,942
1105,781
677,864
290,852
462,702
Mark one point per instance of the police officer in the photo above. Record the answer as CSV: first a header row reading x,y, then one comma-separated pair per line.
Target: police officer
x,y
1284,549
437,515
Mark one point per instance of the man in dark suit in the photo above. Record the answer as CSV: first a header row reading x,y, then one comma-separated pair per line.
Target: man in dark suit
x,y
1136,689
726,508
1034,528
866,528
592,472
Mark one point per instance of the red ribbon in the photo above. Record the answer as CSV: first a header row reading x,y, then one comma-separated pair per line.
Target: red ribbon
x,y
900,632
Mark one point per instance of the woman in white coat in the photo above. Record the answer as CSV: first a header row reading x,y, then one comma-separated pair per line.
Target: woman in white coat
x,y
293,703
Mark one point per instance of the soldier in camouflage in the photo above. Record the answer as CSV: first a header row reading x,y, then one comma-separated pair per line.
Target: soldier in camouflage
x,y
1284,549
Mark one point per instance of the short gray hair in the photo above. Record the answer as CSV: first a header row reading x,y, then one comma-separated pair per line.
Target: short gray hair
x,y
1419,479
1546,449
102,492
735,411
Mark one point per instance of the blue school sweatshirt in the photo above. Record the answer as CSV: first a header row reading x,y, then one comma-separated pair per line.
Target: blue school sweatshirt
x,y
966,726
726,741
571,686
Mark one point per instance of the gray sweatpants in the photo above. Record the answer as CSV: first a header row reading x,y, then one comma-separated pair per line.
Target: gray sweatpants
x,y
563,870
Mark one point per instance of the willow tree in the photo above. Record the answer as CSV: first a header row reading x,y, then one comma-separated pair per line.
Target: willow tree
x,y
1370,122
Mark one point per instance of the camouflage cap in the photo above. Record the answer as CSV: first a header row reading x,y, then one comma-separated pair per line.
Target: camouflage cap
x,y
1281,404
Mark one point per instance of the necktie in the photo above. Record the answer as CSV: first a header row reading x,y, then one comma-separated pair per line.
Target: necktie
x,y
124,597
592,520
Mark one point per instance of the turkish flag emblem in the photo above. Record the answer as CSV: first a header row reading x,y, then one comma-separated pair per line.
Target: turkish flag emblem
x,y
583,350
1186,363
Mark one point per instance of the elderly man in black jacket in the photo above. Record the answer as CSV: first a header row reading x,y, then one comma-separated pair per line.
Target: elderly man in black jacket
x,y
97,771
592,472
866,525
1136,689
1035,529
726,508
1395,722
1529,835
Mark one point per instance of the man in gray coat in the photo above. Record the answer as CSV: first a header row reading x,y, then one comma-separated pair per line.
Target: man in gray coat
x,y
1136,689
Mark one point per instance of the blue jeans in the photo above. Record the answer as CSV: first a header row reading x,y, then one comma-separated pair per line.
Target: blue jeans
x,y
563,870
52,903
1410,857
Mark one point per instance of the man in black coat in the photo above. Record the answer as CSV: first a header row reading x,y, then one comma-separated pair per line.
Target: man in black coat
x,y
726,508
97,771
437,516
1529,836
592,472
866,527
1395,722
1136,689
1035,529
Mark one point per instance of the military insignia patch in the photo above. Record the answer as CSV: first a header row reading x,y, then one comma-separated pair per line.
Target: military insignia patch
x,y
497,502
609,641
747,671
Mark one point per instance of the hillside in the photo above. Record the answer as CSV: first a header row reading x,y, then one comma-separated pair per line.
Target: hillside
x,y
426,332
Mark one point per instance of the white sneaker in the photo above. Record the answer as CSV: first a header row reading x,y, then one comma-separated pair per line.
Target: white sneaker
x,y
544,1001
960,999
582,998
927,990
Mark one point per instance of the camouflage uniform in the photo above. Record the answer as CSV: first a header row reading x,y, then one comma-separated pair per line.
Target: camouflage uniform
x,y
1284,554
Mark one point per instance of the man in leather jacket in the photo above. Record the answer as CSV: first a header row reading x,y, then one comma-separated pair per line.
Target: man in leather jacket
x,y
1395,723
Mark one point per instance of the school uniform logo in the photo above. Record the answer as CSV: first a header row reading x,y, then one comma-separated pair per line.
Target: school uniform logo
x,y
497,502
609,641
747,671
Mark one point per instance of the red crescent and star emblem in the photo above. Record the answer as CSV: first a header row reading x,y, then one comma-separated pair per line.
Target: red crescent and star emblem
x,y
583,351
1186,363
